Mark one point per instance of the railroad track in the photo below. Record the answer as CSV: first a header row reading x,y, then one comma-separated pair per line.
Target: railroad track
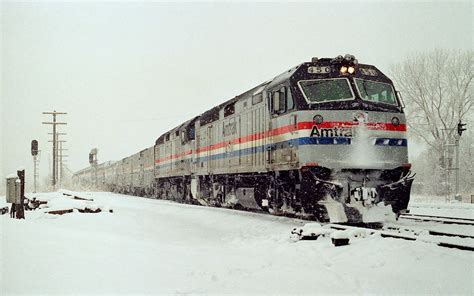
x,y
439,219
413,234
417,231
396,231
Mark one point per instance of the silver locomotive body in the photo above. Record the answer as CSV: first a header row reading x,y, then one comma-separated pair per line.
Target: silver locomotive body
x,y
325,139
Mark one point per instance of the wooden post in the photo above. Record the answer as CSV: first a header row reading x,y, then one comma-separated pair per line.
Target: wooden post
x,y
20,208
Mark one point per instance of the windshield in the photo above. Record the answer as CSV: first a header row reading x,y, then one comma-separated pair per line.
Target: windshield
x,y
325,90
376,91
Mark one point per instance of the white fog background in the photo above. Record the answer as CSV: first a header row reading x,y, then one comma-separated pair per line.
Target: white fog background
x,y
127,72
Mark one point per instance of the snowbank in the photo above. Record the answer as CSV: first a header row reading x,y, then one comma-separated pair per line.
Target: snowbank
x,y
159,247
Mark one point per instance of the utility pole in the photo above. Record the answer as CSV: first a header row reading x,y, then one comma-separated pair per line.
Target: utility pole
x,y
448,159
61,162
56,158
449,166
456,190
35,153
460,129
59,156
93,162
20,208
55,140
35,172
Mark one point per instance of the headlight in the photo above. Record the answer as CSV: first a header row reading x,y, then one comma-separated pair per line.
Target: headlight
x,y
351,70
318,119
343,69
395,121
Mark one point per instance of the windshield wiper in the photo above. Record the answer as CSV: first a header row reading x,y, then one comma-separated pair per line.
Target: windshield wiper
x,y
365,89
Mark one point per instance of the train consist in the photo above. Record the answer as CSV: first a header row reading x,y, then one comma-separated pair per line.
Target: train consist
x,y
325,139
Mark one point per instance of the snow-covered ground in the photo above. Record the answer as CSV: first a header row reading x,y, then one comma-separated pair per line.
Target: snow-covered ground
x,y
158,247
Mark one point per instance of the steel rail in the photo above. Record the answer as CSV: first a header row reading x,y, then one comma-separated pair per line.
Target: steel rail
x,y
441,219
410,237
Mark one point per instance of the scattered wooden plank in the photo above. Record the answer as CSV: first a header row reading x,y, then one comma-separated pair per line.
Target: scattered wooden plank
x,y
60,212
4,211
82,198
87,210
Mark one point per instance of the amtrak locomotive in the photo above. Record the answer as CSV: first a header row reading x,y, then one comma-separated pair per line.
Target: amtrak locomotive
x,y
325,139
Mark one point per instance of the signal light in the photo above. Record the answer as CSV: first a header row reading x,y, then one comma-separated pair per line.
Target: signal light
x,y
461,128
34,147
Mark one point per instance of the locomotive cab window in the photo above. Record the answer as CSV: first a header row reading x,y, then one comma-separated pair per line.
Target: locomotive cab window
x,y
290,103
377,92
191,132
257,98
326,90
229,109
276,102
279,101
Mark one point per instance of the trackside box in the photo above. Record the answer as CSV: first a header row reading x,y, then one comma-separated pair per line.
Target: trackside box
x,y
13,190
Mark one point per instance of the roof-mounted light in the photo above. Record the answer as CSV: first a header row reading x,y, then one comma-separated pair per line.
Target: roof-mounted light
x,y
346,64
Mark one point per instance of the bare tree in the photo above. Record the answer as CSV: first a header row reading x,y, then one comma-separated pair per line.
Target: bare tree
x,y
437,88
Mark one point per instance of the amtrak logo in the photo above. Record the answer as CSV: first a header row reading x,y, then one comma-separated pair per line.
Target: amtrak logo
x,y
331,132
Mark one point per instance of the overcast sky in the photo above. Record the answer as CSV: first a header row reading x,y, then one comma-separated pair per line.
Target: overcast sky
x,y
127,72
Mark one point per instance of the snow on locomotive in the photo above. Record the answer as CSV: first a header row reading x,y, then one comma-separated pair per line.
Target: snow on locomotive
x,y
325,139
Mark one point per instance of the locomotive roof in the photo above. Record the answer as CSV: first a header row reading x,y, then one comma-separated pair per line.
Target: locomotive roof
x,y
283,76
213,113
287,74
186,123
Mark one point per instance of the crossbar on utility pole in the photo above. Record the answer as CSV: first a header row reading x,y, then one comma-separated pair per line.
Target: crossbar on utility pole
x,y
54,112
55,140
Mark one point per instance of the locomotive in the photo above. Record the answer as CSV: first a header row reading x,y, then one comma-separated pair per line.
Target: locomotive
x,y
325,139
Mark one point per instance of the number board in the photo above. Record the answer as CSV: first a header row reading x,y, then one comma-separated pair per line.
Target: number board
x,y
319,69
368,71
